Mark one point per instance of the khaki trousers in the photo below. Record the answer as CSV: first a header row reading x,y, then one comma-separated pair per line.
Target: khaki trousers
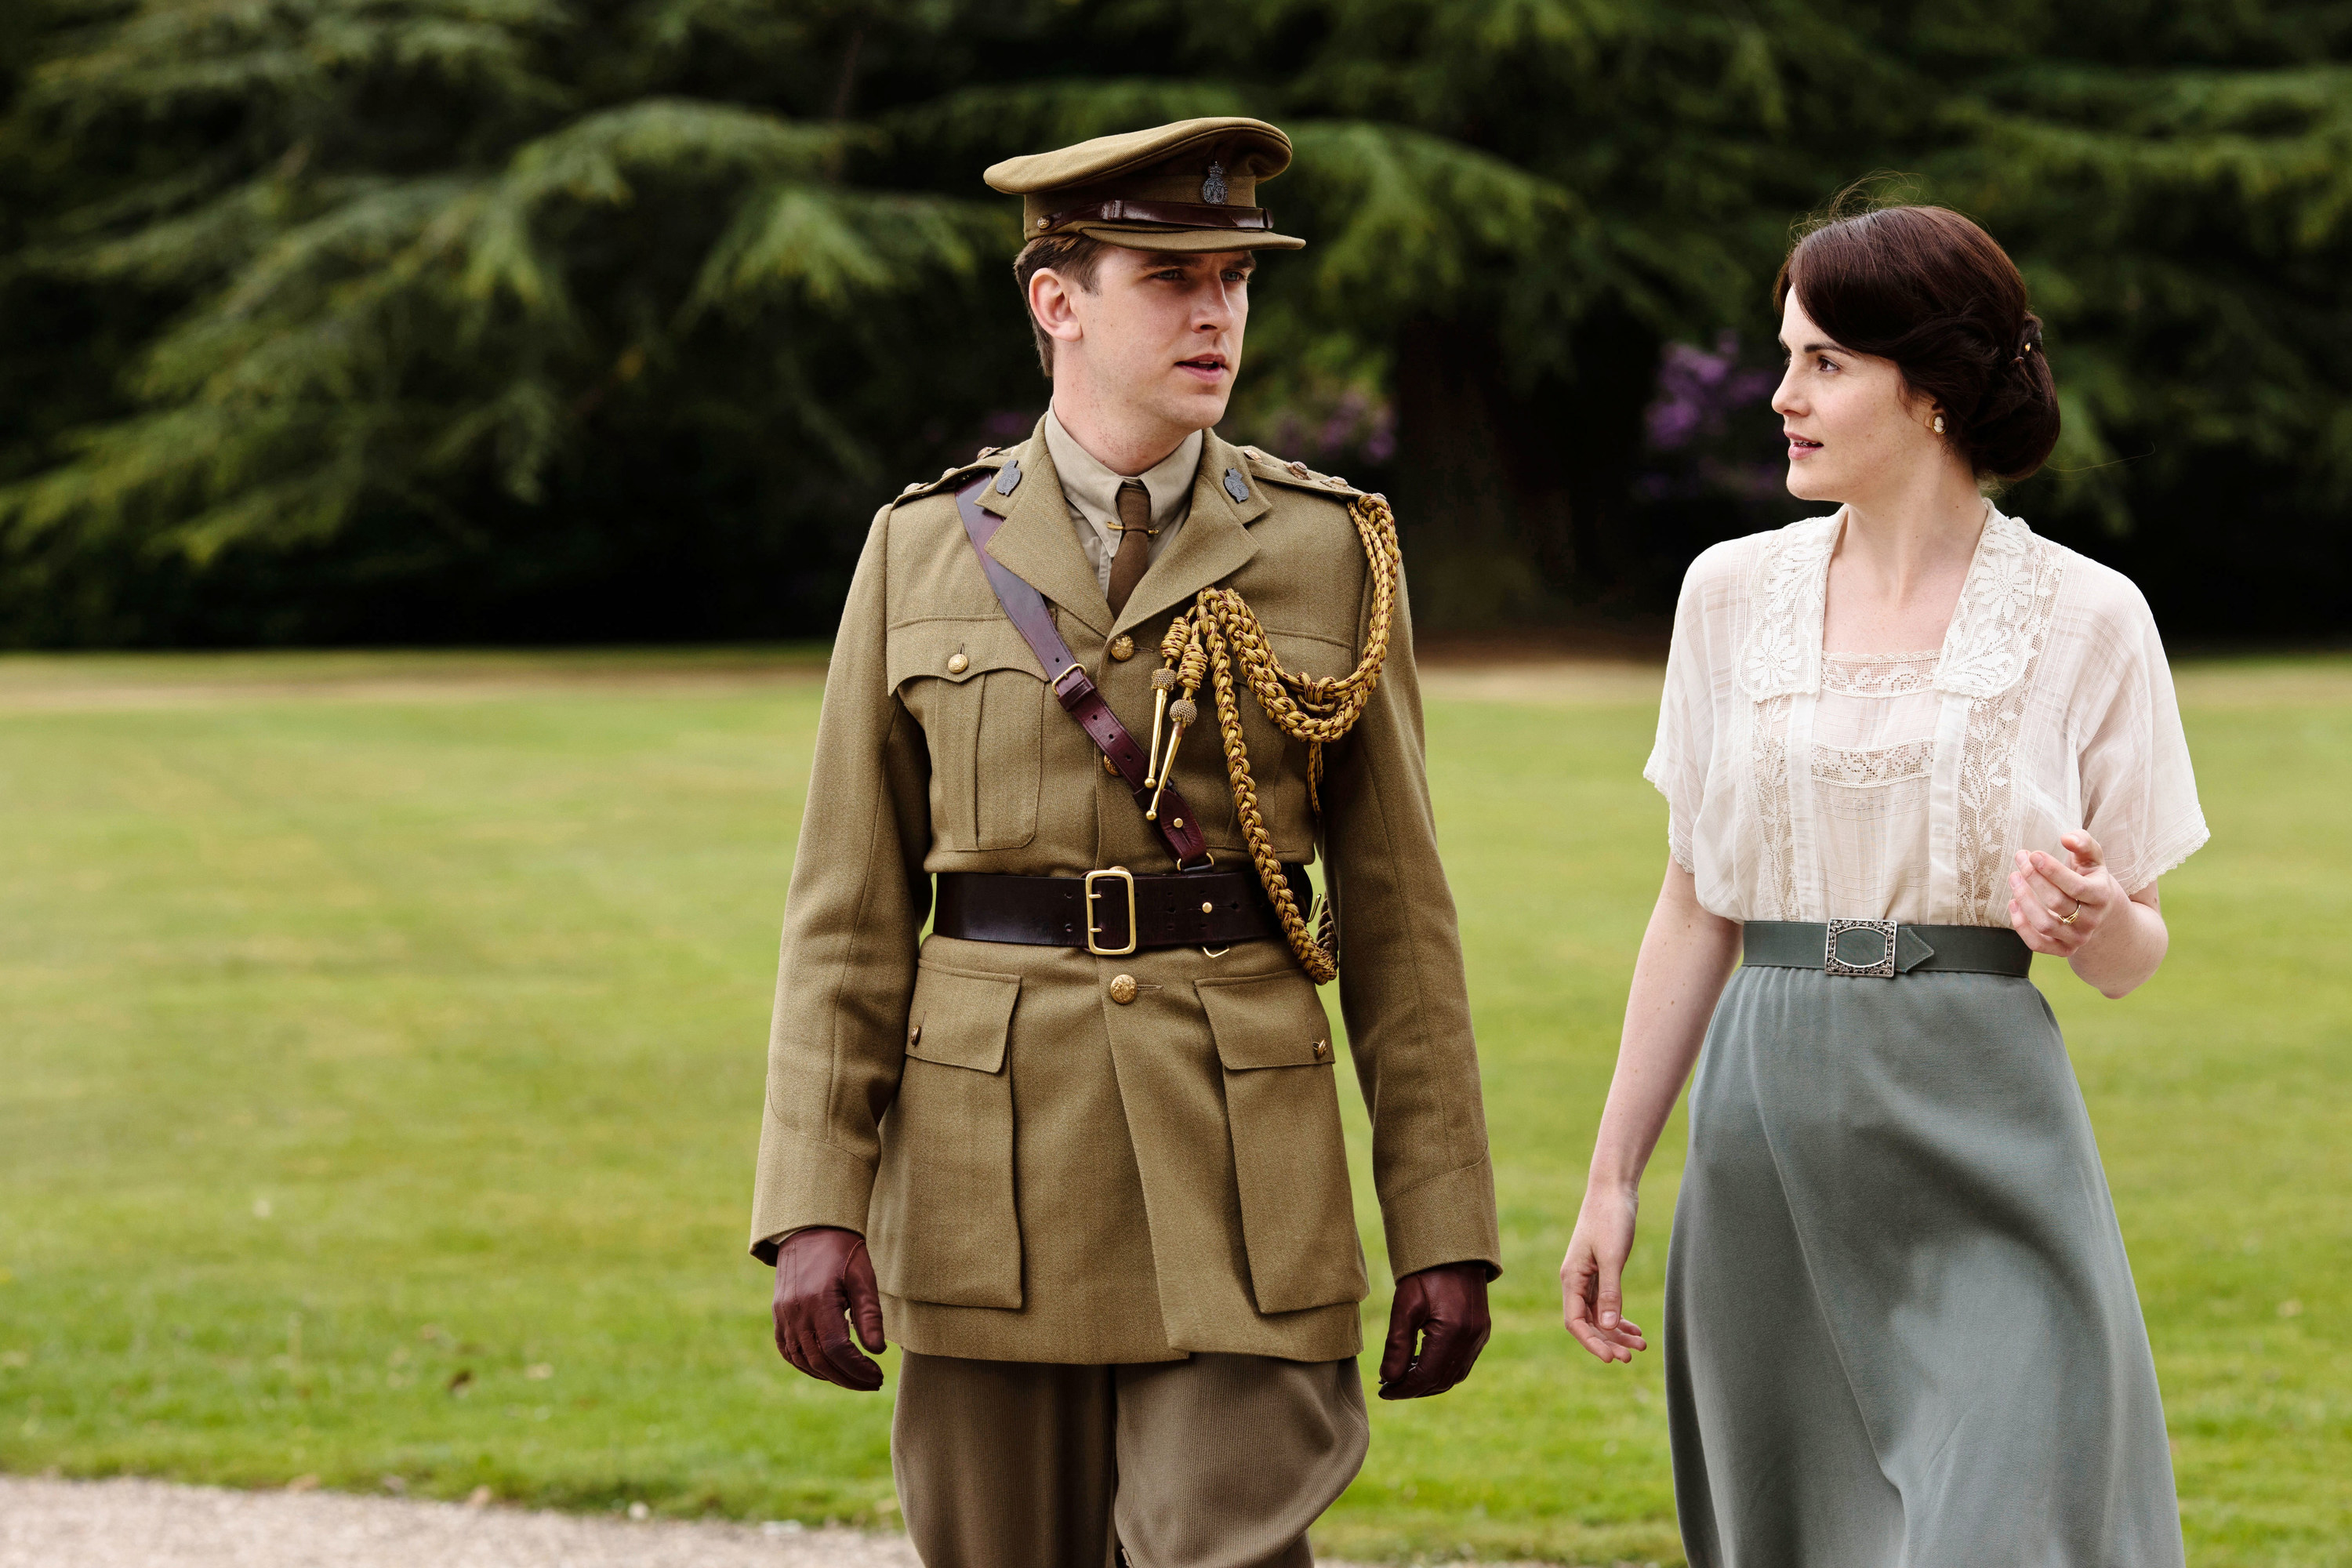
x,y
1220,1461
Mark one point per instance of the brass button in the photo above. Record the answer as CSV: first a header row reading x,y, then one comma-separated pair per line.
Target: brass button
x,y
1122,648
1122,989
1322,1049
1109,766
1180,823
915,1035
1207,908
958,664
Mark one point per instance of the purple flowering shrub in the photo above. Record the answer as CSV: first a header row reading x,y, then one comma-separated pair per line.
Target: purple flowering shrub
x,y
1711,430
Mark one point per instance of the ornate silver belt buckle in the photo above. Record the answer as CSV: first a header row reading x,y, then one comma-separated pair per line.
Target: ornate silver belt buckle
x,y
1882,969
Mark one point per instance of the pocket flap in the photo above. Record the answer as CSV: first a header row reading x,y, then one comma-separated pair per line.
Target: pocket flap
x,y
918,648
1268,1021
1306,654
960,1017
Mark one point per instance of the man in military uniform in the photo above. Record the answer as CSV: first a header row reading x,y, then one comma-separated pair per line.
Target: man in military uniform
x,y
1078,1152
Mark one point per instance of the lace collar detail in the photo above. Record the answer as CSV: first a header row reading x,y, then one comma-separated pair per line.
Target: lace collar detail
x,y
1985,648
1790,584
1988,647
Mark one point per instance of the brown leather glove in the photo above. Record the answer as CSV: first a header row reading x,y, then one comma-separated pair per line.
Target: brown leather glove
x,y
1446,1308
823,1282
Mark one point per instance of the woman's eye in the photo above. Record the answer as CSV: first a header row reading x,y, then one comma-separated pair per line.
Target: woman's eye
x,y
1825,364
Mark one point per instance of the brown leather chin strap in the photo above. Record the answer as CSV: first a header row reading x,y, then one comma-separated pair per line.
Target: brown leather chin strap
x,y
1173,214
1026,608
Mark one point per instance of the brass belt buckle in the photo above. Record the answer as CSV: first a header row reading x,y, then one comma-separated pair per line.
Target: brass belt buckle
x,y
1122,874
1884,969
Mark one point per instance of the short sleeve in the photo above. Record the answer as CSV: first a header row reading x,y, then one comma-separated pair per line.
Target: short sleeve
x,y
2139,792
1685,749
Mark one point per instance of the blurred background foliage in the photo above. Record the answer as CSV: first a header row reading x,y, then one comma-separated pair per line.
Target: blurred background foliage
x,y
331,320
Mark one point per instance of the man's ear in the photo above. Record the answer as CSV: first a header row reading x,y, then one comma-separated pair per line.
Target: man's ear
x,y
1052,302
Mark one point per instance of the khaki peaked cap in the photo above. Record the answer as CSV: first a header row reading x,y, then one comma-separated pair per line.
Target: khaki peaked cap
x,y
1189,187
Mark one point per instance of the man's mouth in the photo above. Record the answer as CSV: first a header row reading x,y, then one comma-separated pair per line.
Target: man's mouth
x,y
1205,364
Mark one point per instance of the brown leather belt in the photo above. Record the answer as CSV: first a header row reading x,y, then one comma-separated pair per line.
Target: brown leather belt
x,y
1112,913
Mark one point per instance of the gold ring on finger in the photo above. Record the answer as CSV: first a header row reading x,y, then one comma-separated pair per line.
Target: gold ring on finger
x,y
2069,919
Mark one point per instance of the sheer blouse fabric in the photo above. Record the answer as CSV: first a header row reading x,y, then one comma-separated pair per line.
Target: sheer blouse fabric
x,y
1808,785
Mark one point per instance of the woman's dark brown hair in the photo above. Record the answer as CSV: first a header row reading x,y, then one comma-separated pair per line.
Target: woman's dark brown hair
x,y
1930,290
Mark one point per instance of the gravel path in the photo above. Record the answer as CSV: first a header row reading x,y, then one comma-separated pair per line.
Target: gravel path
x,y
155,1524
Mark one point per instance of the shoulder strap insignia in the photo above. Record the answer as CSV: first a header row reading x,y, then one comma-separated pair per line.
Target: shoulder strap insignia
x,y
1273,468
989,458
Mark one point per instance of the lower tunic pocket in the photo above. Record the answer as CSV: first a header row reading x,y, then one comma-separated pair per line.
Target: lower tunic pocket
x,y
944,1227
1290,1157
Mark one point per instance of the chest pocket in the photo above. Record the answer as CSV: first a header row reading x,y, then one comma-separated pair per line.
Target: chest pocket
x,y
976,689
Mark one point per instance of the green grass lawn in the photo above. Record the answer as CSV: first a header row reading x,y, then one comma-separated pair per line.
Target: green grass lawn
x,y
381,1040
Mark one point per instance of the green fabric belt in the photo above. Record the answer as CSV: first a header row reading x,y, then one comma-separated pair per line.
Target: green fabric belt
x,y
1863,947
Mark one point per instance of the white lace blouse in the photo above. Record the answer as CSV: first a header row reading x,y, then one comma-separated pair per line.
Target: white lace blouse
x,y
1808,785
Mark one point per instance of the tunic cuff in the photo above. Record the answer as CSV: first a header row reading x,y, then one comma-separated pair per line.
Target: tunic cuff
x,y
1447,1218
801,1184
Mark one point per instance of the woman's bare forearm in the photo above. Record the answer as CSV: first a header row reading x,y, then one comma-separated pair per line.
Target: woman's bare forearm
x,y
1686,955
2128,949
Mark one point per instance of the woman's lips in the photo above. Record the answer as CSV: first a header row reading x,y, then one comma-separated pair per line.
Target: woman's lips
x,y
1799,448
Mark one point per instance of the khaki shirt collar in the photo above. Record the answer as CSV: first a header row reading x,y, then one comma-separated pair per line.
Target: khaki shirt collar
x,y
1093,488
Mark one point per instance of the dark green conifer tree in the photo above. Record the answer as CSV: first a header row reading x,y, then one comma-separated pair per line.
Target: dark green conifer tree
x,y
513,319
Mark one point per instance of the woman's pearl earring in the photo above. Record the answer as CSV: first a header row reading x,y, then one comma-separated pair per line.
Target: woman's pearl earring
x,y
1938,425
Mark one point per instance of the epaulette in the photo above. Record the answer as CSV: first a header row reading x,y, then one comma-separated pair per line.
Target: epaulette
x,y
984,461
1266,464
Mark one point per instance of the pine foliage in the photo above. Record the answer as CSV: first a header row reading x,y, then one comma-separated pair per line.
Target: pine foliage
x,y
513,317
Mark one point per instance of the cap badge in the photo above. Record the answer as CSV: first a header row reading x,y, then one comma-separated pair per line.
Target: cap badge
x,y
1213,189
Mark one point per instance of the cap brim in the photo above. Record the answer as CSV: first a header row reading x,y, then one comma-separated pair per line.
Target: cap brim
x,y
1189,241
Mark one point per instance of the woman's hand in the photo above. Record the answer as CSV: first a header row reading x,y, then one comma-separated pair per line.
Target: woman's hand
x,y
2080,912
1686,955
2059,908
1592,1275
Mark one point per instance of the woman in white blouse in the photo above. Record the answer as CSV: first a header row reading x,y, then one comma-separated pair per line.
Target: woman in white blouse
x,y
1904,747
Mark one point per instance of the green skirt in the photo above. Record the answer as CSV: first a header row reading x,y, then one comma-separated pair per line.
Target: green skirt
x,y
1900,1327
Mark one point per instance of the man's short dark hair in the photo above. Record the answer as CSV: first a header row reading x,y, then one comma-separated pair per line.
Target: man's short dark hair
x,y
1076,257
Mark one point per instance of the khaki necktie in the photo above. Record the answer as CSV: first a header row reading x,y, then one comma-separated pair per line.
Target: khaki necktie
x,y
1134,543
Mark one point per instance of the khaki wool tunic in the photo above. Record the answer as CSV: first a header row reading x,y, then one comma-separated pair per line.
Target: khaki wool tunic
x,y
1043,1172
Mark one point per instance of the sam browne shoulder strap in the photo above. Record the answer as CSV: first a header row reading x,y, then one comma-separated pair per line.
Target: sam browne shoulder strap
x,y
1026,608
